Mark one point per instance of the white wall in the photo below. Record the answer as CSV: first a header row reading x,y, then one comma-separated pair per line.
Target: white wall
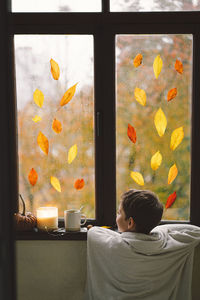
x,y
56,270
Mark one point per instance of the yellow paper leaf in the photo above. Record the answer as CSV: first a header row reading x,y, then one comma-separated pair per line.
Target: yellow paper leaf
x,y
137,177
36,118
72,153
176,138
156,160
160,122
140,96
173,172
106,227
55,183
55,70
68,95
43,142
38,97
157,66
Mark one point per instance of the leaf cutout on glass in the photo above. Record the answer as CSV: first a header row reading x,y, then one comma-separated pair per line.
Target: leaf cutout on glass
x,y
176,138
178,66
32,177
137,177
36,118
170,200
131,133
56,184
137,60
140,96
79,184
105,227
55,70
156,160
68,95
43,142
173,172
157,66
38,97
171,94
56,126
72,153
160,122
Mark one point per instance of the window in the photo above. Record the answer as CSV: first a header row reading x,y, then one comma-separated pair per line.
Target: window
x,y
116,38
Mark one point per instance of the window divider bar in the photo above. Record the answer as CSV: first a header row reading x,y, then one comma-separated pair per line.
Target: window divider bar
x,y
195,161
105,6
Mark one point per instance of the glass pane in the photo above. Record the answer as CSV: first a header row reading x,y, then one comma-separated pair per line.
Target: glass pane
x,y
40,109
154,5
56,5
157,126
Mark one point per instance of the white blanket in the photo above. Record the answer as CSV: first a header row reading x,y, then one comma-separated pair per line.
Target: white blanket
x,y
131,266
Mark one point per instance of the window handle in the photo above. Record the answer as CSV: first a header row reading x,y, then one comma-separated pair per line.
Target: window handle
x,y
98,123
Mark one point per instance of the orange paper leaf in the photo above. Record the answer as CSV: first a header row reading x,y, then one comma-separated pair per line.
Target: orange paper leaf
x,y
68,95
171,94
137,60
173,172
43,142
57,126
32,176
131,133
55,70
178,66
79,184
170,200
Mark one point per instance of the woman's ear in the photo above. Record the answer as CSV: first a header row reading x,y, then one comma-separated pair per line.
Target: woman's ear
x,y
131,224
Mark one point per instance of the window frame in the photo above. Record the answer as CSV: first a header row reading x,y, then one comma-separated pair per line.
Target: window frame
x,y
104,26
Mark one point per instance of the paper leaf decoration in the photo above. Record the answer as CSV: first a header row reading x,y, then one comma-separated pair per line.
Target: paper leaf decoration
x,y
68,95
32,177
131,133
137,177
56,184
160,122
173,172
137,60
178,66
105,227
72,153
79,184
171,94
43,142
140,96
36,118
176,138
55,70
170,200
157,66
156,160
38,97
56,126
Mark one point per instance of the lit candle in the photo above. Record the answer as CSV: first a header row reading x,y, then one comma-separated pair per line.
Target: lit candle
x,y
47,218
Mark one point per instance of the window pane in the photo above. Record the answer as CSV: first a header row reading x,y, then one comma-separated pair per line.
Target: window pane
x,y
56,5
154,5
157,126
40,112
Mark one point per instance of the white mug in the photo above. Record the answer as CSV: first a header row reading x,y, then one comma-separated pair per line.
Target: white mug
x,y
72,218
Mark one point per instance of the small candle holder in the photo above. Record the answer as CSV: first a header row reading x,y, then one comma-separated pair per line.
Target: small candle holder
x,y
47,218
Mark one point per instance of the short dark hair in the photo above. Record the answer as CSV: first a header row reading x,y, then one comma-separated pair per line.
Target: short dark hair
x,y
144,207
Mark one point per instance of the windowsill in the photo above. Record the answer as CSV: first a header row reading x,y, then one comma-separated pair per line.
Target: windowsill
x,y
61,235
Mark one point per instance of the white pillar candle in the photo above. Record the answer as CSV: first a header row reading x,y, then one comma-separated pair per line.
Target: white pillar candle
x,y
47,218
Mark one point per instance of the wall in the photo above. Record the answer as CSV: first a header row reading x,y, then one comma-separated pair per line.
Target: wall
x,y
56,270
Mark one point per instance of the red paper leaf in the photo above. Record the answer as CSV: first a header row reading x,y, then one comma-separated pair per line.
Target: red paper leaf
x,y
179,66
79,184
32,177
170,200
131,133
171,94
